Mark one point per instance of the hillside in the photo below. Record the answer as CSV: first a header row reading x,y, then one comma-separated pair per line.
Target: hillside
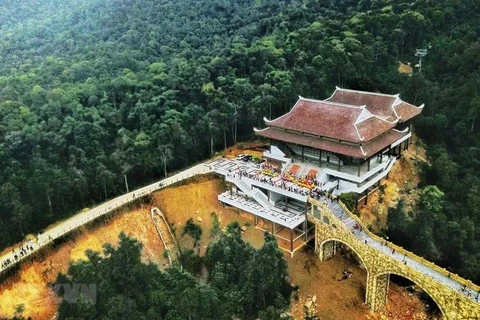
x,y
97,95
335,299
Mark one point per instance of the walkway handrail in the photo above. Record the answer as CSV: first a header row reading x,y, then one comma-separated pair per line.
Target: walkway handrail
x,y
83,217
411,255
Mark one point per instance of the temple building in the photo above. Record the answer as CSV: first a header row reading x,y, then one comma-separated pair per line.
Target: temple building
x,y
354,137
320,149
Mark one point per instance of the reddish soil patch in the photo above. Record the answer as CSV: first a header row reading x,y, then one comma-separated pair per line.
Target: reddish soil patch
x,y
29,286
401,184
335,299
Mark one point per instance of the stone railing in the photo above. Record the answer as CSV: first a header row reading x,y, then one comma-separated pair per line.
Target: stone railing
x,y
411,255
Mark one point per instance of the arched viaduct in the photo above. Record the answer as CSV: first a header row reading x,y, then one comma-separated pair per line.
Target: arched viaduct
x,y
456,297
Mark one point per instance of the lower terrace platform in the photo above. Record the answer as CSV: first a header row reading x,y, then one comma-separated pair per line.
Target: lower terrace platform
x,y
291,228
291,218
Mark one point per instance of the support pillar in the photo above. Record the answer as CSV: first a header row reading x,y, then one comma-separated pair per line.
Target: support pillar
x,y
305,230
368,164
338,163
286,203
358,170
256,220
377,291
303,150
328,250
320,158
291,240
389,150
273,228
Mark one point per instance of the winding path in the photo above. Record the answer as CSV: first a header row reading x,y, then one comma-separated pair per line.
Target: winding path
x,y
83,218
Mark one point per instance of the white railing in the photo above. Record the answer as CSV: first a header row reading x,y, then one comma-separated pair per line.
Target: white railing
x,y
365,176
370,183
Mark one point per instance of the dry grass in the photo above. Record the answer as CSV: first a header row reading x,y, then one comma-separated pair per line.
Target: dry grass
x,y
402,184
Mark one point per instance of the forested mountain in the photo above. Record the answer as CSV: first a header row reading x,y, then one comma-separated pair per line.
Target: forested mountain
x,y
94,90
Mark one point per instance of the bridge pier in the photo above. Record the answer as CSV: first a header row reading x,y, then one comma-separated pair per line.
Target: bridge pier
x,y
328,250
377,291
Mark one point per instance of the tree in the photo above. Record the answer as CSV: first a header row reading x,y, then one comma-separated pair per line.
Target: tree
x,y
193,230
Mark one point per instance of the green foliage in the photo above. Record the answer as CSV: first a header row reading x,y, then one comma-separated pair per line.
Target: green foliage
x,y
193,230
190,261
349,200
215,224
112,89
130,289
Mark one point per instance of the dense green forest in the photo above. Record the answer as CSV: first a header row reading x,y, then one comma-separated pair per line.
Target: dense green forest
x,y
242,283
92,91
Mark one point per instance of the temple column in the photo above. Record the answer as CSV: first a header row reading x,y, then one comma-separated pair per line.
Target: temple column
x,y
320,158
368,164
303,151
338,163
358,170
273,228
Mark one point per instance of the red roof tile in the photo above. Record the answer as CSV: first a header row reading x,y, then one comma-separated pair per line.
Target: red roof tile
x,y
348,115
378,104
369,148
373,127
406,111
321,118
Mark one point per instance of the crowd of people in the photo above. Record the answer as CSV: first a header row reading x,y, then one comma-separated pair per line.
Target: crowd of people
x,y
22,251
317,193
270,170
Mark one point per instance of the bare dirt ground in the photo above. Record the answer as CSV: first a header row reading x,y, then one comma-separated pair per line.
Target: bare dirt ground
x,y
29,286
339,300
401,184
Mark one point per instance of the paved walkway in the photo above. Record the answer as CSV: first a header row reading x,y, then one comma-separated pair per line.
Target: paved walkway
x,y
362,236
80,219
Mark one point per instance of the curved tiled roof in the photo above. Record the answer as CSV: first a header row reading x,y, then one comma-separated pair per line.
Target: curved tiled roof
x,y
358,151
407,111
332,120
385,106
378,104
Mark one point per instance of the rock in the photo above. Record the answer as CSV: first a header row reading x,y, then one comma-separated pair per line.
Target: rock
x,y
197,212
244,228
199,219
314,298
308,304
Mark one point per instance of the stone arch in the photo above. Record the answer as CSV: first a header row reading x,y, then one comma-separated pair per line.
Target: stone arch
x,y
429,290
330,239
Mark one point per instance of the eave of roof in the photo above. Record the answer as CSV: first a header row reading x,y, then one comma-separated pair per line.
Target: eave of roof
x,y
364,150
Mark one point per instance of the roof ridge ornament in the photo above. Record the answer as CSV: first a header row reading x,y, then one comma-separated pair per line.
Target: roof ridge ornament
x,y
363,152
358,132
